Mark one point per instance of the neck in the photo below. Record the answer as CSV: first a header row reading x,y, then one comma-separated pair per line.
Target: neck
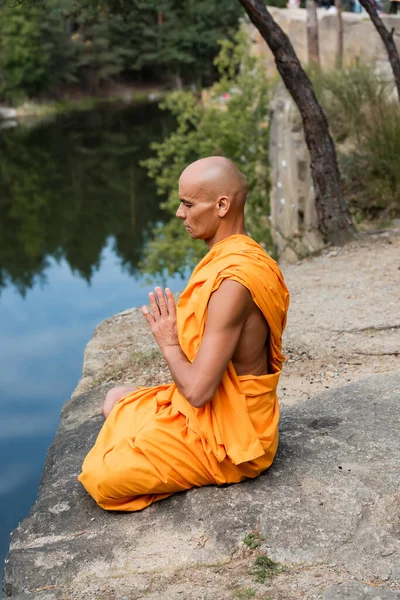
x,y
224,232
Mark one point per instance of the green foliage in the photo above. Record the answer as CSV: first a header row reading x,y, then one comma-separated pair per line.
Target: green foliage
x,y
35,51
181,38
348,95
277,3
253,540
103,49
231,121
264,568
364,116
371,172
43,45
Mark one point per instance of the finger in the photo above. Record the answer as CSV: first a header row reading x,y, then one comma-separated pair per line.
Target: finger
x,y
170,302
154,306
161,301
149,318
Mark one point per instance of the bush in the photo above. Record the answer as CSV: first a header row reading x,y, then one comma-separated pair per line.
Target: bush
x,y
364,117
231,121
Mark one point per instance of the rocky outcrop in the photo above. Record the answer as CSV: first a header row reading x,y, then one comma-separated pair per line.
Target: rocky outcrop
x,y
327,512
293,219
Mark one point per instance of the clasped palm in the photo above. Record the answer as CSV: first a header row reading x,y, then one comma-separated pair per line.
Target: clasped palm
x,y
162,317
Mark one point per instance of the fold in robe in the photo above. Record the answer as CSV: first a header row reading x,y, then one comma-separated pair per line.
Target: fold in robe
x,y
155,443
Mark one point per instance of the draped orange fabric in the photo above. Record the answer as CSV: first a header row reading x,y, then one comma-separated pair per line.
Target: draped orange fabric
x,y
155,443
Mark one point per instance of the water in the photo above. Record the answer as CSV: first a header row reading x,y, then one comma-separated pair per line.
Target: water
x,y
76,209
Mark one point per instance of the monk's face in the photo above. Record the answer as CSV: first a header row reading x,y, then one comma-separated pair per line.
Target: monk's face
x,y
198,211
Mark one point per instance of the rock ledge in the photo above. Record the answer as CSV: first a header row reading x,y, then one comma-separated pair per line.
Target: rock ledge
x,y
328,511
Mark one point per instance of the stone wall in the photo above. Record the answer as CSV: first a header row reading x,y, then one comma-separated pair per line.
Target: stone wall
x,y
293,214
360,39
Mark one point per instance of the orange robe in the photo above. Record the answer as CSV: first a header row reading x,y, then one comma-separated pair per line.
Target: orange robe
x,y
155,443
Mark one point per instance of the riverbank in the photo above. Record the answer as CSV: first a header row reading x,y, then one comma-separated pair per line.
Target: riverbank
x,y
80,101
325,512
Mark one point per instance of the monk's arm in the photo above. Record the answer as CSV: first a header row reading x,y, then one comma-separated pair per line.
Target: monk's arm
x,y
228,309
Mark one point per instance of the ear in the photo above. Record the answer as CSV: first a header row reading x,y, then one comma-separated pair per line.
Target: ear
x,y
223,205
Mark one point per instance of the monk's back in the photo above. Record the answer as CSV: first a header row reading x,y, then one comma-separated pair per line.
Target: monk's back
x,y
251,353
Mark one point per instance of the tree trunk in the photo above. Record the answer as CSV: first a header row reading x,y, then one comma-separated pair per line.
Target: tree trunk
x,y
387,39
334,221
339,51
312,33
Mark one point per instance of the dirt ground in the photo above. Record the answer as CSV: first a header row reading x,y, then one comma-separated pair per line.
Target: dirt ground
x,y
344,317
343,323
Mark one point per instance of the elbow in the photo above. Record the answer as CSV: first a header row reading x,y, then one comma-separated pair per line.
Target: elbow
x,y
199,399
199,402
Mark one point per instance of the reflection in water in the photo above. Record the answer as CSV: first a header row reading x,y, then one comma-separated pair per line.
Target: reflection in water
x,y
72,197
65,187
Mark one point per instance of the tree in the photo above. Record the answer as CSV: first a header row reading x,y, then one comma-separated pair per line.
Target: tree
x,y
334,219
339,51
387,39
35,50
312,32
44,44
181,38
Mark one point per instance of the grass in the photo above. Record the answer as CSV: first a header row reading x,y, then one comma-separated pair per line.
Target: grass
x,y
245,594
264,568
136,359
364,118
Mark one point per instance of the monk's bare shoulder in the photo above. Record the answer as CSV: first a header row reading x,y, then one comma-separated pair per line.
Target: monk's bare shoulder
x,y
230,304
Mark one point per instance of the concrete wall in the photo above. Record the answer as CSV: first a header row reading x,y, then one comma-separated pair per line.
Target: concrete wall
x,y
293,215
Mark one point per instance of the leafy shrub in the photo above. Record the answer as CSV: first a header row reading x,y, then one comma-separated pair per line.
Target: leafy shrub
x,y
231,121
348,95
364,116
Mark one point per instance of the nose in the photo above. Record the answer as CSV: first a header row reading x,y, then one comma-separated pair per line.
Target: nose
x,y
180,213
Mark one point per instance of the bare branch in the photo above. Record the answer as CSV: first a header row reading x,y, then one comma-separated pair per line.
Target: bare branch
x,y
387,39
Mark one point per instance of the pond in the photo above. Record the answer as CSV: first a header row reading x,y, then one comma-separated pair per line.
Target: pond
x,y
76,212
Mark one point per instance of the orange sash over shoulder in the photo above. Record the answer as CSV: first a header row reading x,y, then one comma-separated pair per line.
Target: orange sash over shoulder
x,y
155,443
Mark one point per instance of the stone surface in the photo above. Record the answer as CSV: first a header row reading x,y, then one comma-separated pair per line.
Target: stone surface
x,y
292,201
357,591
328,511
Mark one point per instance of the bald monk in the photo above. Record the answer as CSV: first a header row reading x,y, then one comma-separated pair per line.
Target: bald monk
x,y
217,423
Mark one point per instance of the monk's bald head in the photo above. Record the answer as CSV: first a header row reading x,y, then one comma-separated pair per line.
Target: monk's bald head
x,y
216,176
212,193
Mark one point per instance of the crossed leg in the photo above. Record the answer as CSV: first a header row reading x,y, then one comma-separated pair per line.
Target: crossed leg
x,y
114,395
